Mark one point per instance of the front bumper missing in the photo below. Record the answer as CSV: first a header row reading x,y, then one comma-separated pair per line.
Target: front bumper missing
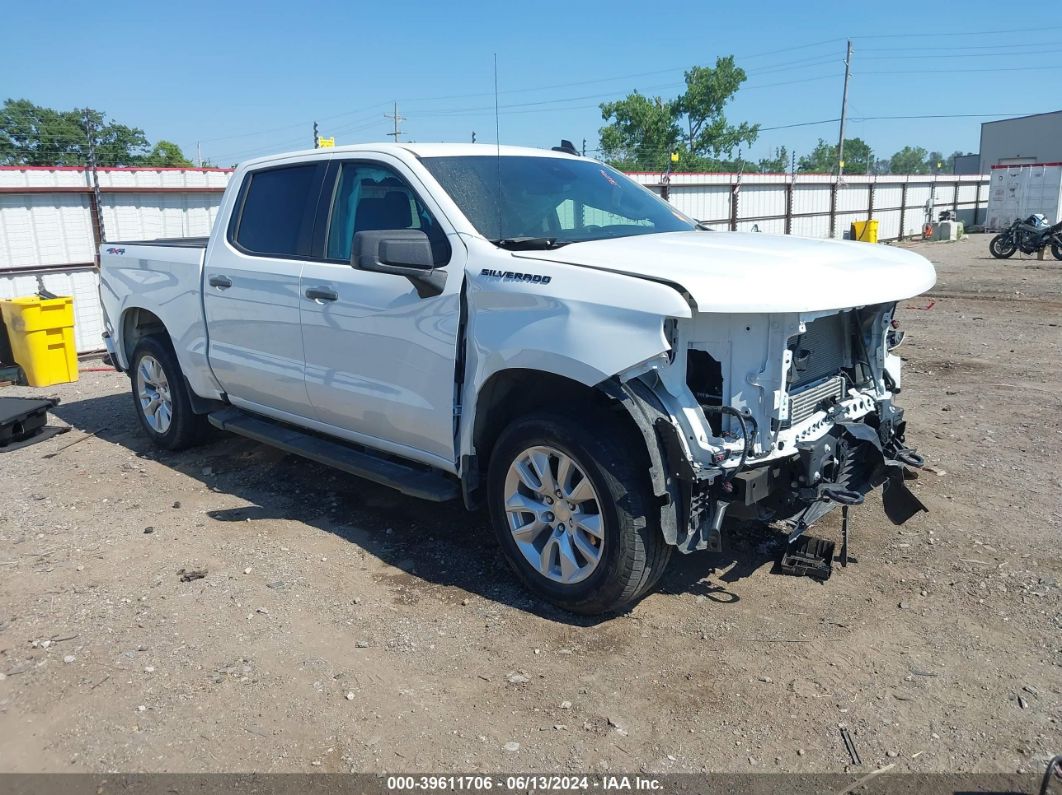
x,y
851,461
838,468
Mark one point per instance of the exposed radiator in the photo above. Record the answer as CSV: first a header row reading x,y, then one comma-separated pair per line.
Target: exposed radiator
x,y
819,351
804,403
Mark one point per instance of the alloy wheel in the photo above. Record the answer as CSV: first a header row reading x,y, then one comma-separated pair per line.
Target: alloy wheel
x,y
153,392
554,514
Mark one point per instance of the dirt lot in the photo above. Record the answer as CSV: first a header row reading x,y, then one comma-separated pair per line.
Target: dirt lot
x,y
341,626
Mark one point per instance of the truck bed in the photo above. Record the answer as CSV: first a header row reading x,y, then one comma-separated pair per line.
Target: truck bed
x,y
161,278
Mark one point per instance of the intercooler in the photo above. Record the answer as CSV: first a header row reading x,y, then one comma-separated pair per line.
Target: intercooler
x,y
804,403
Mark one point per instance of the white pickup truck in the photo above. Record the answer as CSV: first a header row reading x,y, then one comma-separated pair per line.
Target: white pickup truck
x,y
532,331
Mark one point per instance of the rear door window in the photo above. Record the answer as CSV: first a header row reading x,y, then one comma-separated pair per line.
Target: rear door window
x,y
277,214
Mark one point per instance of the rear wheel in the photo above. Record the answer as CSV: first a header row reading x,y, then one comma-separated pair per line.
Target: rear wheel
x,y
572,513
1056,250
1002,247
160,397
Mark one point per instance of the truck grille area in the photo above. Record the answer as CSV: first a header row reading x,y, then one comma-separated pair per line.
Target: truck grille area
x,y
805,402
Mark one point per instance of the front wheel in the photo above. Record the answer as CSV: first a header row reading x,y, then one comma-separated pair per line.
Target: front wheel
x,y
160,398
1002,246
573,514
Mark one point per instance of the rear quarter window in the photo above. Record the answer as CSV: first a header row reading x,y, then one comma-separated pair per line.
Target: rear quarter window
x,y
277,212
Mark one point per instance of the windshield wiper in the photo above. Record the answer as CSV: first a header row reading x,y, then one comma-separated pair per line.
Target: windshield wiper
x,y
529,243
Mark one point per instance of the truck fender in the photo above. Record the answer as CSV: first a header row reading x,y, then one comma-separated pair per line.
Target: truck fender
x,y
580,324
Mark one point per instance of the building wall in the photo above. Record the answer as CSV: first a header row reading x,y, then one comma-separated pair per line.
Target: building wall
x,y
1027,139
967,164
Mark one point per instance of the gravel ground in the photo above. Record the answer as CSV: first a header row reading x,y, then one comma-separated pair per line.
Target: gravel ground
x,y
341,626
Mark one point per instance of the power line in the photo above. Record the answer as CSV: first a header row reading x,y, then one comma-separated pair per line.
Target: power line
x,y
936,48
1022,54
951,70
1038,29
361,119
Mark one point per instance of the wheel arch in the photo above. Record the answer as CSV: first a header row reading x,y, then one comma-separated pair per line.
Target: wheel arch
x,y
513,393
137,323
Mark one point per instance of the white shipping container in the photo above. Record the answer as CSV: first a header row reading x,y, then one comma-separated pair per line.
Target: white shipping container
x,y
1018,191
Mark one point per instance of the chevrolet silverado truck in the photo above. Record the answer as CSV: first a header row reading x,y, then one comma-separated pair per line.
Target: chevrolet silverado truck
x,y
529,331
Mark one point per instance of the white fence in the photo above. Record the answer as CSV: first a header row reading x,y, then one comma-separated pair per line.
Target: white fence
x,y
819,205
49,233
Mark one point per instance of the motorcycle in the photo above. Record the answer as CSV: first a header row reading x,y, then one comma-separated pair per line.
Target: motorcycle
x,y
1030,236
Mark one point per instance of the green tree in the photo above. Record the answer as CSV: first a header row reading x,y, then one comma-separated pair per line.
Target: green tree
x,y
909,160
936,163
165,153
858,159
708,90
36,136
642,132
777,164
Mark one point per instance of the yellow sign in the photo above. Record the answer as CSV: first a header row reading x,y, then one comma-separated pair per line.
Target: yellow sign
x,y
326,143
674,157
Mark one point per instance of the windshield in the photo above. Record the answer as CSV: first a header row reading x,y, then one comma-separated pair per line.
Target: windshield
x,y
551,199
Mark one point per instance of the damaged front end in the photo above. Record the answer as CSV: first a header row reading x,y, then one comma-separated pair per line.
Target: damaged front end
x,y
770,417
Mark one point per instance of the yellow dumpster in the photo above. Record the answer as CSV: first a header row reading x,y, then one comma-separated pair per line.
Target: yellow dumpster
x,y
41,332
866,231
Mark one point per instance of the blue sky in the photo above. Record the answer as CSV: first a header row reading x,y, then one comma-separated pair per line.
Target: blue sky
x,y
249,78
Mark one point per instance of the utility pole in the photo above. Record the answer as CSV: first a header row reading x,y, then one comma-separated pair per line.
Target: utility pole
x,y
90,132
396,119
844,109
316,138
198,154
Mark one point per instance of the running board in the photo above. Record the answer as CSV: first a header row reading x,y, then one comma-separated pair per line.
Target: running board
x,y
420,482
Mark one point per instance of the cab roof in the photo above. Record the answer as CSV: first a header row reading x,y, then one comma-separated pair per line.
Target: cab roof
x,y
421,150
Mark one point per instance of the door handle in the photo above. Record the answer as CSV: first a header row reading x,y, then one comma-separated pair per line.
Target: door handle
x,y
221,282
321,294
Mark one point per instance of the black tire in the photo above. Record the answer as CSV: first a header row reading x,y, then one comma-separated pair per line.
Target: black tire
x,y
634,553
1056,250
1002,247
185,427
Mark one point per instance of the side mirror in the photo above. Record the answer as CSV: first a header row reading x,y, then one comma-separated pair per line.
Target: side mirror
x,y
402,252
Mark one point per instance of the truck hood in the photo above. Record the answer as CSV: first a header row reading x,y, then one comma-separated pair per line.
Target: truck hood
x,y
753,272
